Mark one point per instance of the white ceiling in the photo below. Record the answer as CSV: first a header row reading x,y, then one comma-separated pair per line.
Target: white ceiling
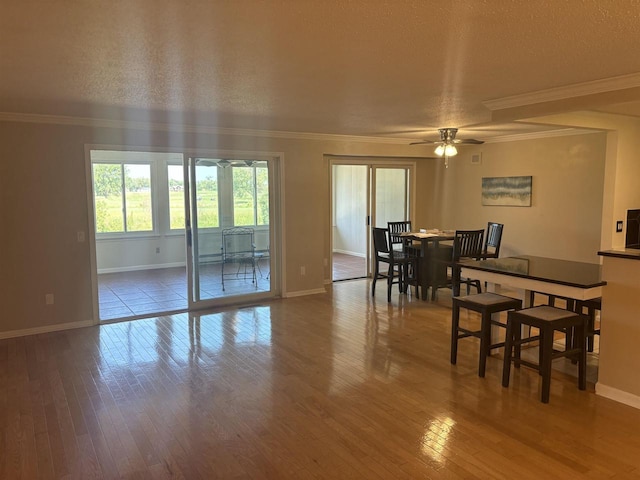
x,y
398,68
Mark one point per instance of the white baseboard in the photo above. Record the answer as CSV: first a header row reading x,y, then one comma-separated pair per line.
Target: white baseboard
x,y
618,395
301,293
347,252
136,268
46,329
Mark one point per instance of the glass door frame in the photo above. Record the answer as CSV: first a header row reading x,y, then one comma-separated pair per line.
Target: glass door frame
x,y
372,163
273,161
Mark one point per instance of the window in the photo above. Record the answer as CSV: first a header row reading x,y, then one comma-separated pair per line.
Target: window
x,y
250,195
175,186
122,197
207,196
136,192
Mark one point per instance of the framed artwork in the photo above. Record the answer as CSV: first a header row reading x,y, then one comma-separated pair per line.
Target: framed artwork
x,y
507,191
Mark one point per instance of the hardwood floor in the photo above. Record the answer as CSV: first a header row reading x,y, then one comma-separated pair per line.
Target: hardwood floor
x,y
347,267
333,386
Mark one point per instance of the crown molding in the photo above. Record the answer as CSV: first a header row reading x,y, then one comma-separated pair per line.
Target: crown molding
x,y
562,132
568,91
184,128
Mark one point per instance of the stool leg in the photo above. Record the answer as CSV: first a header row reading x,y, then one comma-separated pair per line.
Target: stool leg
x,y
582,362
591,312
569,338
455,320
508,344
517,337
541,333
545,366
485,342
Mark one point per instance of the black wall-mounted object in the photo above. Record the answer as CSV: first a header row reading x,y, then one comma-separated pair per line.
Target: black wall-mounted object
x,y
633,229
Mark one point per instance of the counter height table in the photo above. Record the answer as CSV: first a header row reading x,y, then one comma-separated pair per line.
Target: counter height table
x,y
563,278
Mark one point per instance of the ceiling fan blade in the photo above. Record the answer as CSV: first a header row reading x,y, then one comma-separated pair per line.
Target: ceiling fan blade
x,y
468,141
424,142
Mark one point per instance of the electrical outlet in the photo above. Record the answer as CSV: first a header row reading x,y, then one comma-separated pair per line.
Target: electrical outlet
x,y
303,270
157,249
48,299
81,236
619,225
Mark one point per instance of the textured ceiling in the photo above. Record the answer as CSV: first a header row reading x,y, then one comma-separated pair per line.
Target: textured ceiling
x,y
398,68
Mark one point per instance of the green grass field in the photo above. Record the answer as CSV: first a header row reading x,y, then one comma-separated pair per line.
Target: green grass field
x,y
109,212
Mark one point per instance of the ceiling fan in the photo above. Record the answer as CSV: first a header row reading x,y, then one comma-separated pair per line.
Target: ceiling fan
x,y
212,162
446,146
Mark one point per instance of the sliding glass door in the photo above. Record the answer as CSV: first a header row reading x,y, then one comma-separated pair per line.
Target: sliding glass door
x,y
389,195
229,238
365,195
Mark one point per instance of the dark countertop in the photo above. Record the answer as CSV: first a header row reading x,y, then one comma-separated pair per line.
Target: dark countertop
x,y
630,253
565,272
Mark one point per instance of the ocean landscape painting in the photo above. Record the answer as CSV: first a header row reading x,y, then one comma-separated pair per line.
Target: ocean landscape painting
x,y
507,191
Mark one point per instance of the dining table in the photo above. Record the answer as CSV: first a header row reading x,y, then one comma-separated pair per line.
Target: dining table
x,y
433,257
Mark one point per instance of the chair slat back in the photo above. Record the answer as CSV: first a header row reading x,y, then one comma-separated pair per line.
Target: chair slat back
x,y
395,229
380,244
494,238
237,242
467,244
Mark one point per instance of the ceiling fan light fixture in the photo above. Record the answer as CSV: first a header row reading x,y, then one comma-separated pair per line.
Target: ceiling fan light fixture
x,y
439,150
450,150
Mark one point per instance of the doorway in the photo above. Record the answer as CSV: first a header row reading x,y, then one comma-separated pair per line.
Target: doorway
x,y
365,194
148,206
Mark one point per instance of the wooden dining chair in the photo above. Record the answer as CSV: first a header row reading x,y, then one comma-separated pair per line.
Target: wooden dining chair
x,y
395,231
402,267
493,240
467,245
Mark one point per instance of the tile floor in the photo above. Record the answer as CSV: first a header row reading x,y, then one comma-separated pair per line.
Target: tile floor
x,y
149,292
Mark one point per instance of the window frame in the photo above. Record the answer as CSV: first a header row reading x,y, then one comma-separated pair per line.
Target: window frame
x,y
169,230
254,170
153,195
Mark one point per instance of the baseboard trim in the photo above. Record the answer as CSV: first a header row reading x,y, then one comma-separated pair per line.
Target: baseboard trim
x,y
618,395
301,293
347,252
136,268
46,329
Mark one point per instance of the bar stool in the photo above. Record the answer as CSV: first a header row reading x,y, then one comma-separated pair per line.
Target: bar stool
x,y
547,320
486,304
591,305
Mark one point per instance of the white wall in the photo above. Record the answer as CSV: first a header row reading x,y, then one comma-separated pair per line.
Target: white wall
x,y
139,253
350,209
565,219
621,191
